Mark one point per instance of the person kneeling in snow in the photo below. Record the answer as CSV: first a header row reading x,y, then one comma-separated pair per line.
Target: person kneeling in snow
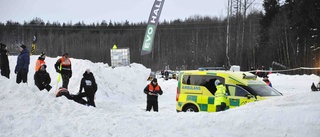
x,y
89,84
42,78
77,98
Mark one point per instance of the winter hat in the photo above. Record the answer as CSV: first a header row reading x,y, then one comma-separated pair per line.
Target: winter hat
x,y
65,54
23,46
155,80
88,71
42,54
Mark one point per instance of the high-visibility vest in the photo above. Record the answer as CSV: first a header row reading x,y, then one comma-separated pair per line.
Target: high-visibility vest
x,y
65,64
39,63
151,88
220,95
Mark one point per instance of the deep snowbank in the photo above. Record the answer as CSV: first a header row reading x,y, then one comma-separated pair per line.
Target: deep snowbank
x,y
26,111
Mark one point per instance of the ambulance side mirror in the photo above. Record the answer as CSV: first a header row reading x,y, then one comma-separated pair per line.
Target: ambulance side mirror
x,y
249,96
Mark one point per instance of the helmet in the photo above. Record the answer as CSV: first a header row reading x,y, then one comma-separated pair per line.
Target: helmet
x,y
217,82
42,54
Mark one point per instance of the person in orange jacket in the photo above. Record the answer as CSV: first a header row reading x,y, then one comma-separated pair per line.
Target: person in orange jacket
x,y
40,61
63,66
152,90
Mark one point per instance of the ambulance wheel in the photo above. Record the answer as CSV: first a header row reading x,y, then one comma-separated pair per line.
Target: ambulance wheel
x,y
190,108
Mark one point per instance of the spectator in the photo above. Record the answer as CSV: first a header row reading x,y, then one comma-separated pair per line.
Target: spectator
x,y
22,67
40,61
266,79
5,69
42,78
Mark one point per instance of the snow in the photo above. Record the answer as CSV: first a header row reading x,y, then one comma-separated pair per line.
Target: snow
x,y
120,111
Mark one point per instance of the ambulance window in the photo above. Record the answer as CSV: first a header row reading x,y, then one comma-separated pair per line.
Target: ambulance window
x,y
237,91
240,92
202,80
231,90
210,85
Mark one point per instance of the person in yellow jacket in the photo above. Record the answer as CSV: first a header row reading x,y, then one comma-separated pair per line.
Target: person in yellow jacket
x,y
220,96
40,61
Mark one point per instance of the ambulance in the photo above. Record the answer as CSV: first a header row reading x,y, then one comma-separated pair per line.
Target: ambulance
x,y
196,88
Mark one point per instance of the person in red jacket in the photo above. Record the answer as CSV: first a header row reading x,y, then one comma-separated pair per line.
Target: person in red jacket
x,y
152,90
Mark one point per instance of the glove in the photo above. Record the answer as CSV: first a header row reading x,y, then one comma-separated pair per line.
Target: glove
x,y
59,71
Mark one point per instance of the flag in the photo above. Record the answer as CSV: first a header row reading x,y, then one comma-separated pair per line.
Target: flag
x,y
33,47
59,75
152,26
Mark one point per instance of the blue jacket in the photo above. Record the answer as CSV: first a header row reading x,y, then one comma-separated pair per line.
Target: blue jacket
x,y
23,61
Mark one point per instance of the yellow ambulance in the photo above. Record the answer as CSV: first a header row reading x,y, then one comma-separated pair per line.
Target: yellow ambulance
x,y
196,88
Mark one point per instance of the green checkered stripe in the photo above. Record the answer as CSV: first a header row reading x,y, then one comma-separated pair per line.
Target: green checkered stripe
x,y
234,102
206,103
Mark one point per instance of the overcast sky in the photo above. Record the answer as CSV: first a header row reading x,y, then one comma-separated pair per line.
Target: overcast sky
x,y
94,11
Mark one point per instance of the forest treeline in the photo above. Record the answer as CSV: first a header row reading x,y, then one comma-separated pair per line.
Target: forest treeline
x,y
281,36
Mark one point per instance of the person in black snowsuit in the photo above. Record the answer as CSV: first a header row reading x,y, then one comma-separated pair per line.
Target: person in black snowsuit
x,y
5,69
77,98
42,78
152,90
89,84
22,67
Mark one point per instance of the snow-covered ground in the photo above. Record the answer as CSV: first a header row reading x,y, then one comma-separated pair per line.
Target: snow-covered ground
x,y
26,111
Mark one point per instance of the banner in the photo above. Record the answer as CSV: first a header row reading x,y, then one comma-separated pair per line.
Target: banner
x,y
152,26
